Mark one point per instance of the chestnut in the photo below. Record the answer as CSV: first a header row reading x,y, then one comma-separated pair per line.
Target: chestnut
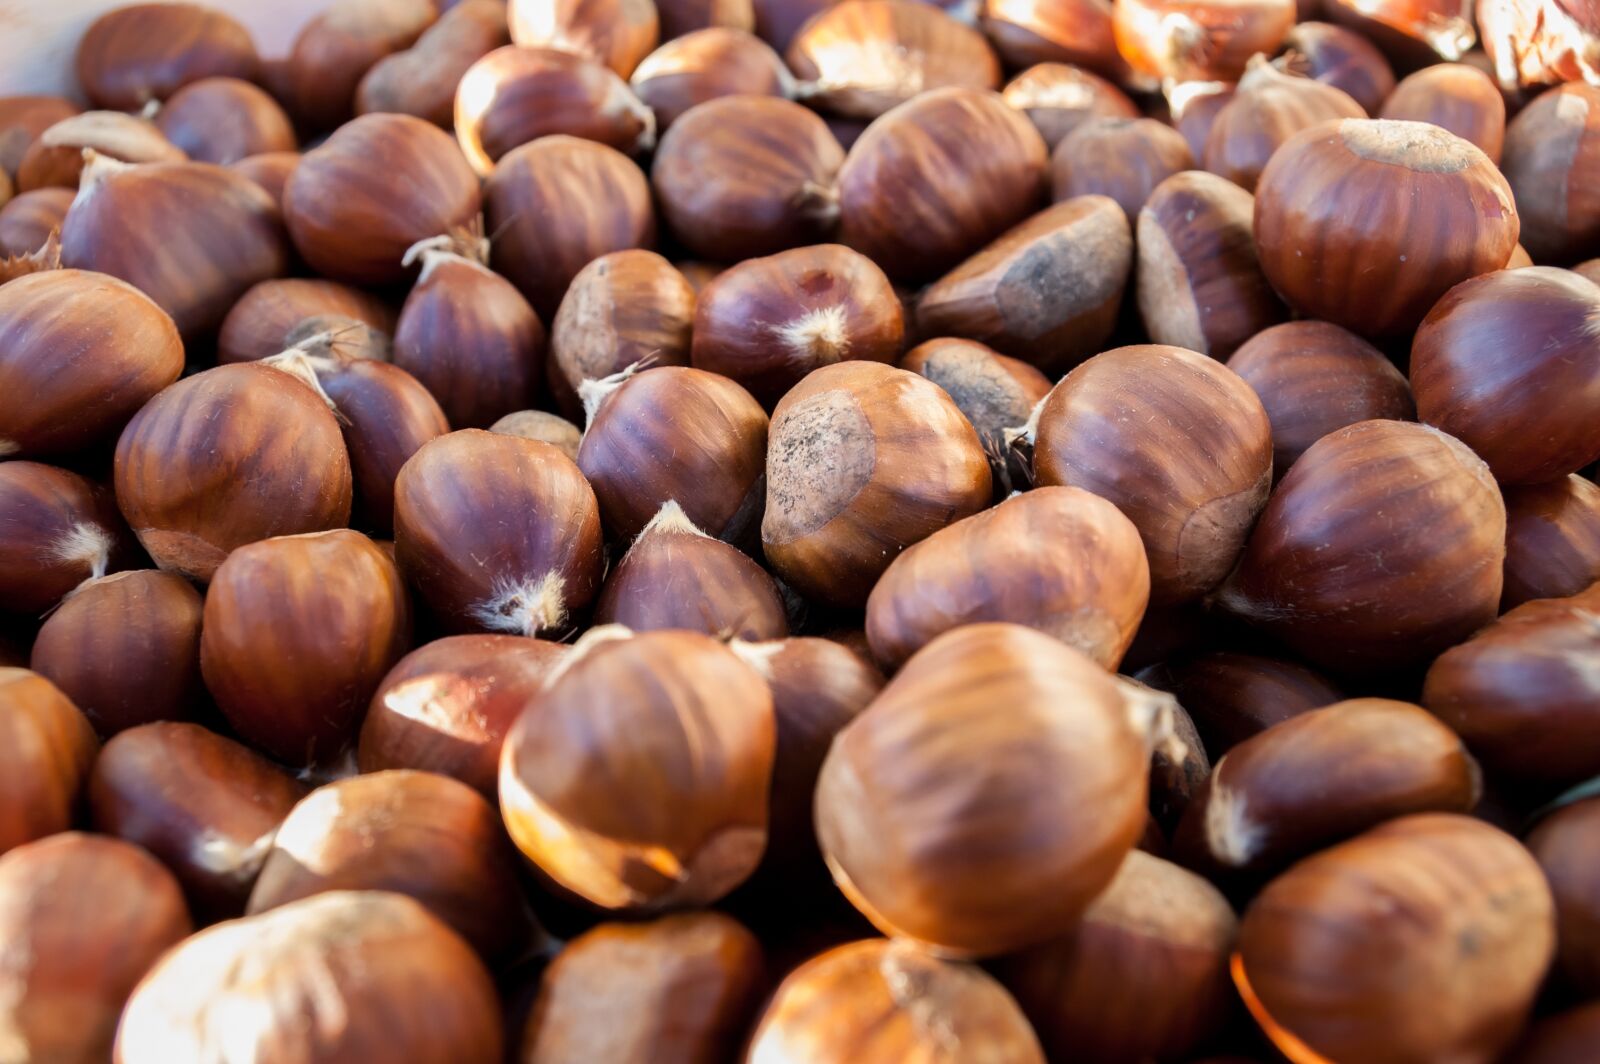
x,y
622,308
56,158
1552,160
334,51
706,64
1056,559
27,220
125,648
223,120
142,52
468,335
1330,559
1423,939
226,457
517,94
1124,158
1231,696
1193,107
1509,363
681,18
259,324
777,21
1025,32
271,170
1566,1038
1342,58
1412,33
1175,441
1563,844
321,979
1456,97
1268,107
1588,270
80,353
1552,540
47,750
678,988
884,1002
1198,40
1337,200
1059,97
1313,378
542,426
899,462
446,706
379,185
558,204
1535,42
860,58
935,179
1200,285
60,530
743,176
618,33
205,805
1144,976
497,533
767,323
83,918
22,119
214,234
995,392
675,434
423,79
676,576
638,780
977,834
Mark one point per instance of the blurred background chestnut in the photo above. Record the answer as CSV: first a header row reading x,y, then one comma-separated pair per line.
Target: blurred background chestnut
x,y
423,80
1059,97
142,52
48,750
1552,540
27,219
1198,40
1124,158
618,33
1456,97
223,120
705,64
1268,107
1342,58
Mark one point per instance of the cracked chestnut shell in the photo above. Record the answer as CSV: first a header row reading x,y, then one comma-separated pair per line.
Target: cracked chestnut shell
x,y
1552,540
142,52
47,750
27,219
1055,31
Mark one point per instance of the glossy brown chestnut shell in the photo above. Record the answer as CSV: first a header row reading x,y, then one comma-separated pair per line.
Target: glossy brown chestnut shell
x,y
1552,540
27,220
423,80
1552,160
1456,97
1565,1038
1231,696
1342,58
142,52
706,64
543,426
47,752
1059,97
1563,844
1268,107
60,530
259,324
223,120
1124,158
618,33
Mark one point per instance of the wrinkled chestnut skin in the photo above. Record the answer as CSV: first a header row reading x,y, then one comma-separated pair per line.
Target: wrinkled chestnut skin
x,y
422,80
1059,97
618,33
227,457
1144,976
1552,540
1231,697
223,120
56,158
142,52
47,750
907,196
1521,692
1456,97
1047,291
769,322
1564,845
1552,160
125,648
335,50
1124,158
60,529
1174,440
706,64
1268,107
271,170
1423,939
205,805
446,706
678,989
1509,363
1055,31
27,219
259,324
1198,40
1565,1038
22,119
80,353
1338,579
994,392
83,918
1344,59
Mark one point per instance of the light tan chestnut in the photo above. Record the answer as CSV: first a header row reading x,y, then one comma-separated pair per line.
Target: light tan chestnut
x,y
543,426
1056,559
48,747
995,392
902,463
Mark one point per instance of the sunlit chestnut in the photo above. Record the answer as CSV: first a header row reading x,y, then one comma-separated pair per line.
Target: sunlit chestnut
x,y
125,648
860,58
1456,97
1423,939
769,322
80,353
56,158
543,426
321,979
47,750
205,805
227,457
271,170
1200,285
1535,42
1059,97
1340,200
423,79
1025,32
83,918
945,827
259,324
937,178
1552,540
498,533
903,463
706,64
681,987
618,33
517,94
27,220
879,1002
682,18
1144,976
1411,33
60,530
1552,159
1124,158
1509,363
1330,557
558,204
1198,40
1342,58
995,392
142,52
22,119
1563,844
336,48
1565,1038
1193,107
1174,440
639,781
1231,696
379,185
1268,107
622,308
223,120
1313,378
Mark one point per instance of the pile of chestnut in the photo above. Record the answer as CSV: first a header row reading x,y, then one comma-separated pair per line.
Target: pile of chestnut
x,y
805,532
